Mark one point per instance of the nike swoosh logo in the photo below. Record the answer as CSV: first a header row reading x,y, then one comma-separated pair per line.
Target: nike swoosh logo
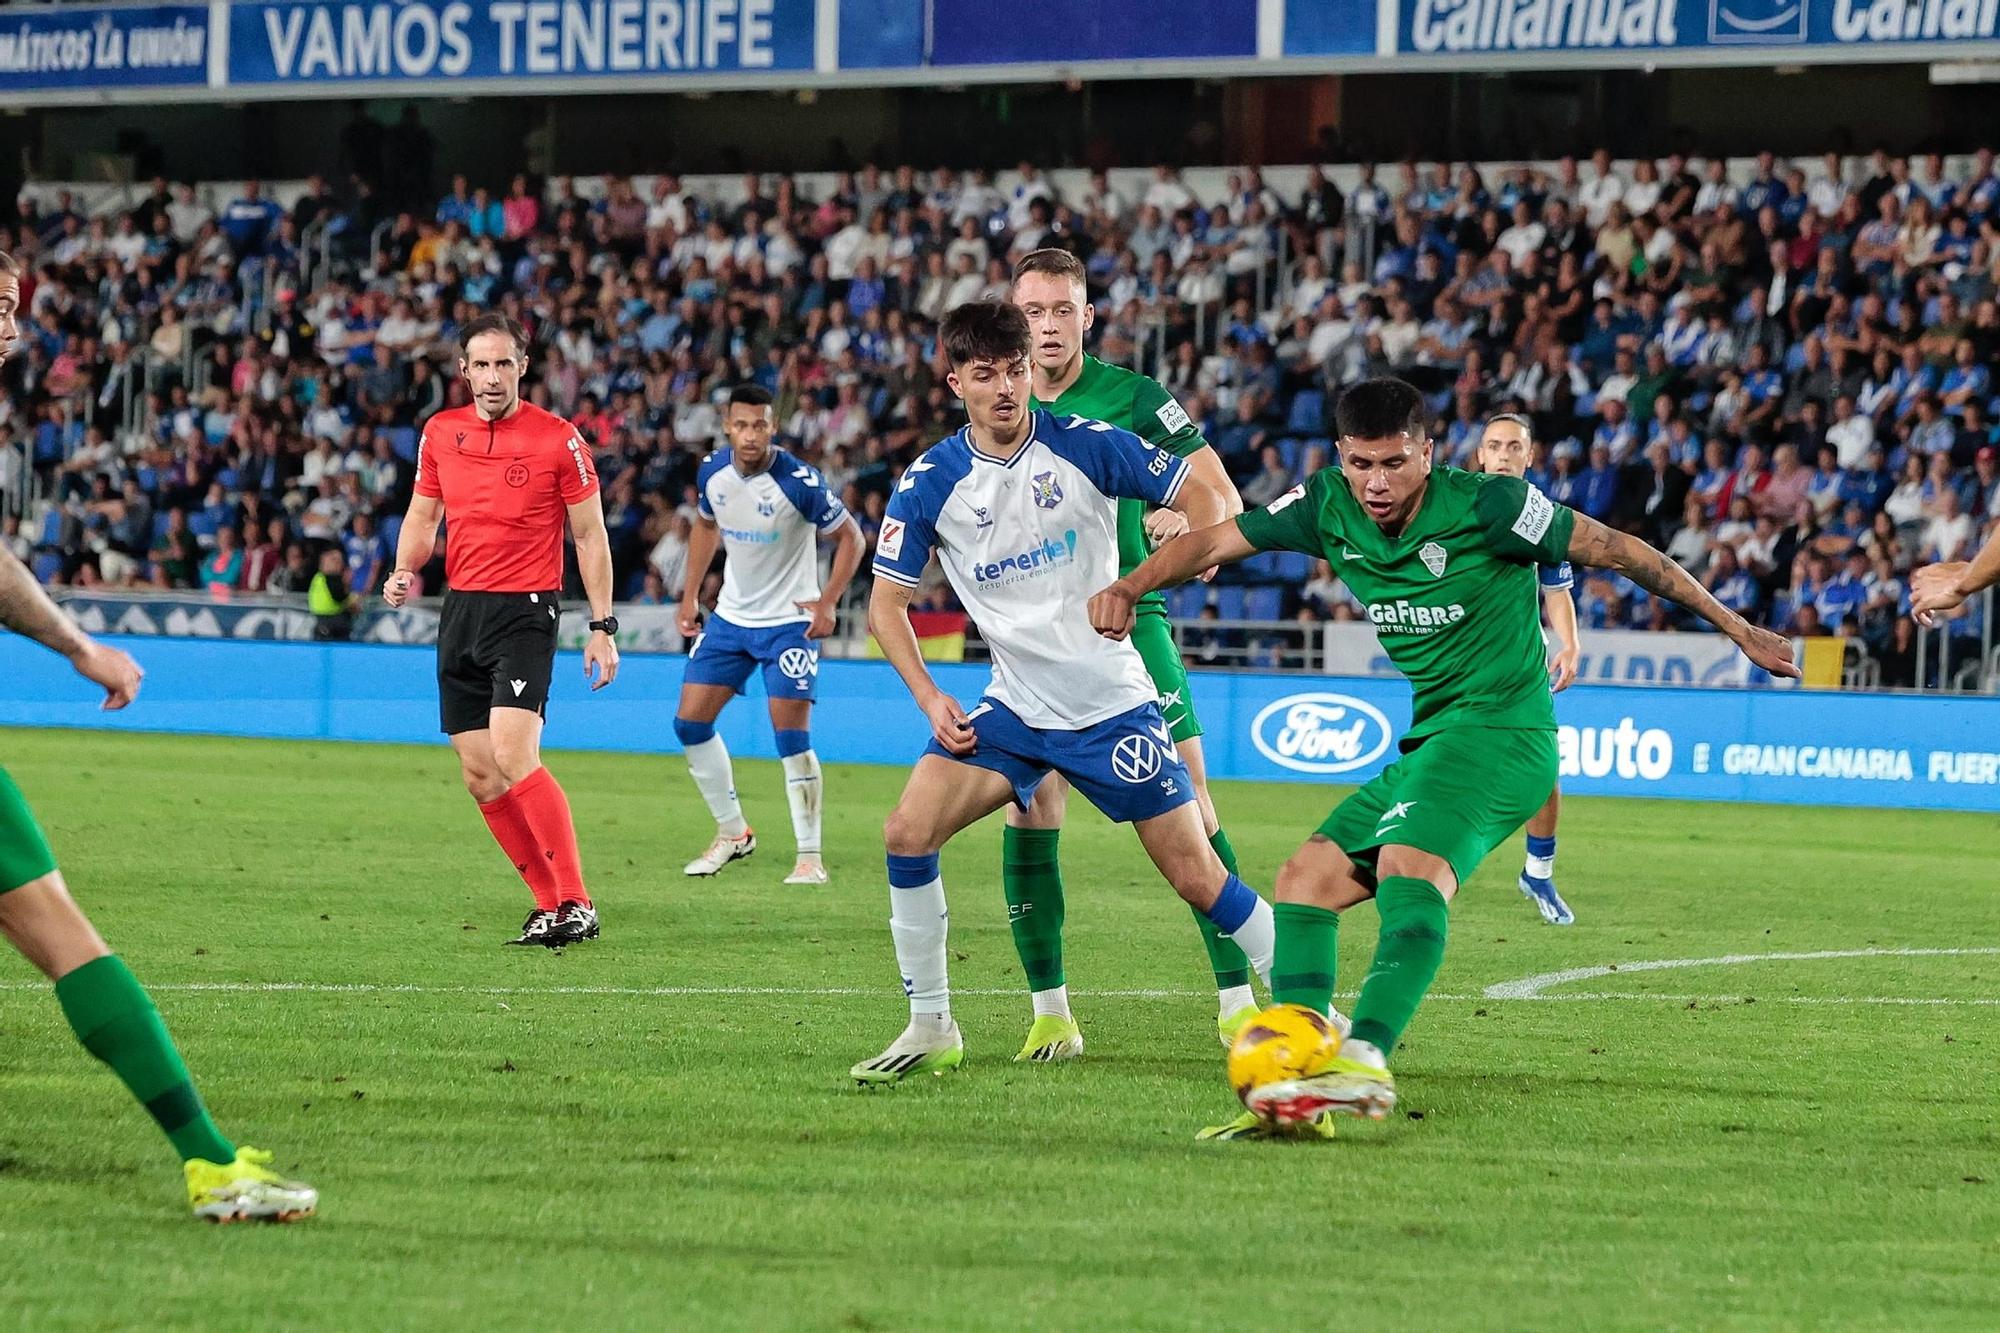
x,y
1352,555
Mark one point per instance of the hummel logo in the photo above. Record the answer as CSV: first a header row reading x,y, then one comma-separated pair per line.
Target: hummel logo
x,y
518,685
910,473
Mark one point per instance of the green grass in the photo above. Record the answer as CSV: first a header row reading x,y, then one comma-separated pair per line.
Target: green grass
x,y
526,1140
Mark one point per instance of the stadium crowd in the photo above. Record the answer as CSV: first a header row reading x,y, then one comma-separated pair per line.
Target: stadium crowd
x,y
1785,380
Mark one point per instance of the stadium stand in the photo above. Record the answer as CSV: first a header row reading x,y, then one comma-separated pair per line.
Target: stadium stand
x,y
1782,372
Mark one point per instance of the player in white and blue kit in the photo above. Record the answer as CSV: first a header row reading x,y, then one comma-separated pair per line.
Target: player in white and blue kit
x,y
1021,511
1507,446
766,510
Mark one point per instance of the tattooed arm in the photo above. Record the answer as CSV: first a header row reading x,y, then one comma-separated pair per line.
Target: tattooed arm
x,y
27,610
1591,543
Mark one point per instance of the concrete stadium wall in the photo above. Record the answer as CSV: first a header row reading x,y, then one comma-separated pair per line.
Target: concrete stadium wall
x,y
1788,746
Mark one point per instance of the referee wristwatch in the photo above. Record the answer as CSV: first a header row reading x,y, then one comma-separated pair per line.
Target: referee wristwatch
x,y
608,625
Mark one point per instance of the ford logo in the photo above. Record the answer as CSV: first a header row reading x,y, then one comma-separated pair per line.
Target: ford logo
x,y
1321,733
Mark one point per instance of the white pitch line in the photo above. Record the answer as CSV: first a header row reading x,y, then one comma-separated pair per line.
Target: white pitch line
x,y
1531,988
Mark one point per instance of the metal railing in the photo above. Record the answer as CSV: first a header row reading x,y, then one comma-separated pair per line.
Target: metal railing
x,y
1974,674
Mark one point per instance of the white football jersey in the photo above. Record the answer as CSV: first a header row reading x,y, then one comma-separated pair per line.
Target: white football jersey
x,y
770,523
1024,543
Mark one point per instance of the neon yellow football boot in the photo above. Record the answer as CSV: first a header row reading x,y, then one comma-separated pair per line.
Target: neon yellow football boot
x,y
1053,1037
246,1190
1248,1126
1354,1081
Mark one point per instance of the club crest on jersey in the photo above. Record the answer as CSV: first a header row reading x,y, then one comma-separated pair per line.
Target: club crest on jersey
x,y
1433,557
1047,493
767,508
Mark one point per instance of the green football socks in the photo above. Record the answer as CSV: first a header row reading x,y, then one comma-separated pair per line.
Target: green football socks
x,y
1032,878
1415,919
115,1020
1232,967
1302,967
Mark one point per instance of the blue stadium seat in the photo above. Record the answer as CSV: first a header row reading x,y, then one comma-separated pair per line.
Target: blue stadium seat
x,y
159,525
1308,415
47,565
1293,566
1184,602
403,440
149,480
1261,566
1290,448
1229,602
51,528
392,528
228,478
1263,603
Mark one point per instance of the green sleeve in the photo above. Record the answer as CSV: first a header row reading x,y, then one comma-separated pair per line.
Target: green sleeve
x,y
1290,522
1163,423
1523,524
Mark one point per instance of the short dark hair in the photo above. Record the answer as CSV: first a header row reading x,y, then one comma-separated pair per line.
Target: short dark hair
x,y
984,331
1378,409
493,322
1516,418
750,395
1056,263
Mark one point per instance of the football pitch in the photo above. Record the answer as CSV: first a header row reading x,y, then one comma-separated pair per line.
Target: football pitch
x,y
1796,1124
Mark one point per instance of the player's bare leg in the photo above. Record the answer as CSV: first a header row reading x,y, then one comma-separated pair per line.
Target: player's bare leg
x,y
1179,848
709,766
1236,1002
941,797
791,723
1412,888
1031,874
115,1021
1538,876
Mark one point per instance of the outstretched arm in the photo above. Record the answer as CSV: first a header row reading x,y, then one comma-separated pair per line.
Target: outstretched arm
x,y
1174,563
27,610
1591,543
1936,588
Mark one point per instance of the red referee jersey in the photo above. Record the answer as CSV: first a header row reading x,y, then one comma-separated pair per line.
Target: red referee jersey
x,y
506,486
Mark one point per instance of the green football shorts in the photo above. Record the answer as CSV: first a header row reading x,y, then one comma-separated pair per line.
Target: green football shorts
x,y
1457,794
24,853
1154,638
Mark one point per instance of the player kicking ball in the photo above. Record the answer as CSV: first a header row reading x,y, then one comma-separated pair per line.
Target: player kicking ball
x,y
107,1008
1021,509
1049,288
764,508
1505,449
1444,561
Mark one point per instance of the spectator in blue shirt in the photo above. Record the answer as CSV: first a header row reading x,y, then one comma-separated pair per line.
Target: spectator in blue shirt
x,y
1844,595
365,551
1967,381
1765,190
456,206
1597,485
248,221
1730,582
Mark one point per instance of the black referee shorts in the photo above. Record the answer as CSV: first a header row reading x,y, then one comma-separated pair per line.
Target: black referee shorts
x,y
494,650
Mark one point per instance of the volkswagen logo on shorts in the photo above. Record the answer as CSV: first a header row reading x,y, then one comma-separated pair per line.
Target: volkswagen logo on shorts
x,y
1321,733
1135,759
798,663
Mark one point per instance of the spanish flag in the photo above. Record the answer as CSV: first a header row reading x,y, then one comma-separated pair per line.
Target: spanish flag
x,y
940,635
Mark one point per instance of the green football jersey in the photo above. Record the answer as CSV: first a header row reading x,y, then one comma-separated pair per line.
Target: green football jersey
x,y
1452,598
1131,401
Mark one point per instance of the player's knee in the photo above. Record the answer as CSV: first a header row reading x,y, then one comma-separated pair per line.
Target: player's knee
x,y
1410,863
1319,875
906,835
690,732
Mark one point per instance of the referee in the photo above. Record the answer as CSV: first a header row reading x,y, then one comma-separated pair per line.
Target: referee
x,y
510,474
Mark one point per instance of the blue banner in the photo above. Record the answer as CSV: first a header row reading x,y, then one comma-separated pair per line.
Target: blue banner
x,y
1330,27
1798,747
882,34
1489,27
389,41
103,47
1063,32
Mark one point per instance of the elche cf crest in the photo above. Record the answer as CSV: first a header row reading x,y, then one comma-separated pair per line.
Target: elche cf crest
x,y
1433,557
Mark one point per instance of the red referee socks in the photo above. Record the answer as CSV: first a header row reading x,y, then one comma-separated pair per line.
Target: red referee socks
x,y
509,825
539,799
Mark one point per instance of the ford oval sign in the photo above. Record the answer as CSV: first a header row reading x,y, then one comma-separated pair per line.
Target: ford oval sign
x,y
1321,733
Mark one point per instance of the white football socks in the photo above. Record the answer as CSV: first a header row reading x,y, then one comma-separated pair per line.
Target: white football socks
x,y
802,790
1052,1002
1257,938
919,919
708,764
1233,999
